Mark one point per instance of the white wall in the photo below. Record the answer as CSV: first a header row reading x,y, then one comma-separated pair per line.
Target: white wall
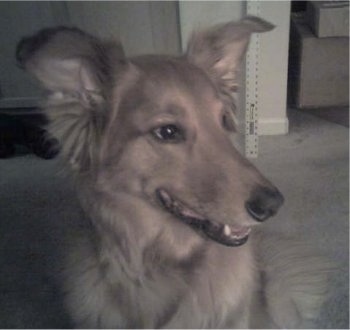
x,y
142,26
199,14
273,67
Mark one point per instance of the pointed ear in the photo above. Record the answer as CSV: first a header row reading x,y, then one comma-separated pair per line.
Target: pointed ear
x,y
68,61
77,70
220,50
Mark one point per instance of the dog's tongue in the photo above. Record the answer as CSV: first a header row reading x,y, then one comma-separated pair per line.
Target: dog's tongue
x,y
222,233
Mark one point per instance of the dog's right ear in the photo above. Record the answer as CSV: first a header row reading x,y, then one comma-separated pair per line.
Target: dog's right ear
x,y
77,69
220,49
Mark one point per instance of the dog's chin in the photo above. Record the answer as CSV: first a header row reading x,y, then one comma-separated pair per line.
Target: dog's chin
x,y
224,234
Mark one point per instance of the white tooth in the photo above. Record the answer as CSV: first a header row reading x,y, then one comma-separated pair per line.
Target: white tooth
x,y
227,230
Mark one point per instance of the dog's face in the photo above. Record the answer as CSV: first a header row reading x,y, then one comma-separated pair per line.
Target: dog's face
x,y
156,128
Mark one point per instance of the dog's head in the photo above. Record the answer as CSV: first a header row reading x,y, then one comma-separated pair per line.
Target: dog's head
x,y
156,127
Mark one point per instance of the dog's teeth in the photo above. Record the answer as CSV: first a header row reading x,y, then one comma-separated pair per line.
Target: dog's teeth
x,y
227,230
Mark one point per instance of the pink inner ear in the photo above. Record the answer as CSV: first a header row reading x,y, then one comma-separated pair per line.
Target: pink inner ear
x,y
232,55
220,52
64,75
87,80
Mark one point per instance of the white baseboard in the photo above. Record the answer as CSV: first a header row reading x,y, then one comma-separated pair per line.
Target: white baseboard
x,y
273,126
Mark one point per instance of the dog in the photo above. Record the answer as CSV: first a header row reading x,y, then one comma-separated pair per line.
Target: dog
x,y
172,209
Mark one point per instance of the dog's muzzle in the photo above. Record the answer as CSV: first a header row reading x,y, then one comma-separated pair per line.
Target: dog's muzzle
x,y
221,233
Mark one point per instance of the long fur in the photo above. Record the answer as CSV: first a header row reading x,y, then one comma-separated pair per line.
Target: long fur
x,y
164,191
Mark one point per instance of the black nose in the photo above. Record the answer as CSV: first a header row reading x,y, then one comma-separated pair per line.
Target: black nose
x,y
264,203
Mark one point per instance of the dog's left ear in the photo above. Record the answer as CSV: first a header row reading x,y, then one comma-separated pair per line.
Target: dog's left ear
x,y
78,70
220,50
69,61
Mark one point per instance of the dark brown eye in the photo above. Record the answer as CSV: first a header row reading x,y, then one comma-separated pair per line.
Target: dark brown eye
x,y
169,133
228,122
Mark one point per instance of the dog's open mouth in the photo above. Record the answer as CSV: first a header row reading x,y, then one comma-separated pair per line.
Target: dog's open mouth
x,y
222,233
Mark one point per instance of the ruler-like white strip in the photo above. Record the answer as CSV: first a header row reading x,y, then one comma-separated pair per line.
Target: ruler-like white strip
x,y
251,95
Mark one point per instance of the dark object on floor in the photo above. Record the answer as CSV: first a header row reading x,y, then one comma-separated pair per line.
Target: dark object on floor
x,y
16,132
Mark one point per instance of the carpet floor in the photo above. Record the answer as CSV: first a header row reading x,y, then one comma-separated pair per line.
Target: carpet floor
x,y
310,166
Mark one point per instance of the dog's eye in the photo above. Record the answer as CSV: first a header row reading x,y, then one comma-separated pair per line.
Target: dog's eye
x,y
228,122
169,133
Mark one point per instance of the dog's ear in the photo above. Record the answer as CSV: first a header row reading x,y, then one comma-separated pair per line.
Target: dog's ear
x,y
76,68
220,50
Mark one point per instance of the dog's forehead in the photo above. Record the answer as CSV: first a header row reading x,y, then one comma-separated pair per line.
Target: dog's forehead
x,y
175,81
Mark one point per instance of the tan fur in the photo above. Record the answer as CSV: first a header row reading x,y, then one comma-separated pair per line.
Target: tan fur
x,y
159,208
